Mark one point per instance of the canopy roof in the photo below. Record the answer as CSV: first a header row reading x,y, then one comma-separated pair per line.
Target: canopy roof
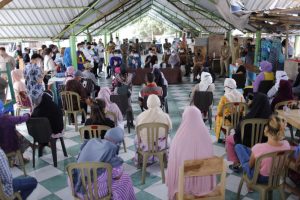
x,y
58,19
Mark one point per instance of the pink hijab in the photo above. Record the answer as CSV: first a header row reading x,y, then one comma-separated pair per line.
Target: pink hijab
x,y
104,94
192,141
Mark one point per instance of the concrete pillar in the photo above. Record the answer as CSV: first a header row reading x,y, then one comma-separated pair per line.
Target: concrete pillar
x,y
72,42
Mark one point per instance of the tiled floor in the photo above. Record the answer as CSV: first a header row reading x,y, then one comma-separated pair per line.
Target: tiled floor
x,y
53,181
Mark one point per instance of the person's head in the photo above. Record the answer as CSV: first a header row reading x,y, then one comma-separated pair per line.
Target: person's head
x,y
149,78
115,135
235,41
100,40
275,127
16,75
166,40
136,40
44,47
78,75
48,51
239,61
37,59
97,112
117,38
266,66
225,42
229,84
87,66
285,88
2,51
26,50
173,52
206,78
70,71
80,46
153,101
249,41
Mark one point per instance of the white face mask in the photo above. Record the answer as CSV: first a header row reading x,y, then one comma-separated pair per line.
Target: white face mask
x,y
81,48
151,54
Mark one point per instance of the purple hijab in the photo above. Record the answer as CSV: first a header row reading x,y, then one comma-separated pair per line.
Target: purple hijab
x,y
265,67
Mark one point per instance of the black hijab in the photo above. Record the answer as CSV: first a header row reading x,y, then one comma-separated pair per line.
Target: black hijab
x,y
260,108
47,108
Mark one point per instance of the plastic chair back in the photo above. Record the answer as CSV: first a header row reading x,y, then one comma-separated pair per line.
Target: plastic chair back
x,y
257,129
203,100
205,167
88,173
39,129
93,131
265,86
291,104
237,111
240,80
154,131
70,101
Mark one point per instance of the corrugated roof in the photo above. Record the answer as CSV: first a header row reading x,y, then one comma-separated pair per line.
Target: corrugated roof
x,y
58,19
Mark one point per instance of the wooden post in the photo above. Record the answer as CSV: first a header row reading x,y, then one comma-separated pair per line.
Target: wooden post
x,y
287,42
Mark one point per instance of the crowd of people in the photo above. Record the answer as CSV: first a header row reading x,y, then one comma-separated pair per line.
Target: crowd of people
x,y
31,75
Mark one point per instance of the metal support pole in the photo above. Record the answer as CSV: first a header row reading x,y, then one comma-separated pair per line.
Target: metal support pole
x,y
89,37
72,41
287,42
257,47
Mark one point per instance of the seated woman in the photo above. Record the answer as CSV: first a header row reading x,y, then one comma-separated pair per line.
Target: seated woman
x,y
70,72
106,150
241,68
10,139
98,117
280,75
206,84
284,93
231,95
104,94
48,109
192,133
174,59
259,108
274,131
20,88
153,114
160,79
266,74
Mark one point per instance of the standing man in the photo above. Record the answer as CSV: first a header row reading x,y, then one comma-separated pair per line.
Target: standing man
x,y
235,51
118,44
5,58
167,46
224,61
101,50
81,59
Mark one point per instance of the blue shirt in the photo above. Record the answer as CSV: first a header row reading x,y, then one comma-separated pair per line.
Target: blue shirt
x,y
5,175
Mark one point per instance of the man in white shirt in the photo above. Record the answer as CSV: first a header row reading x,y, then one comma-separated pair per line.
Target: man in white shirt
x,y
118,44
86,52
49,65
101,51
4,59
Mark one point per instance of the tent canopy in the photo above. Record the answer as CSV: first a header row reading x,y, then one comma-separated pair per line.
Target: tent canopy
x,y
58,19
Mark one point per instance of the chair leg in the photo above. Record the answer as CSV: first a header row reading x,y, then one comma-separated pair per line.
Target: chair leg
x,y
33,155
124,145
270,195
65,124
63,146
240,189
76,121
263,195
282,194
20,158
53,150
291,130
145,159
162,168
128,118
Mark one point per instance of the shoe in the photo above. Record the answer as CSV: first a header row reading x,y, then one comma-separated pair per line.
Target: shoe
x,y
107,77
235,167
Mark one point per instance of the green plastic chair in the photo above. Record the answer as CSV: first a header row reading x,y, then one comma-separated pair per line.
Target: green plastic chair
x,y
88,175
153,150
280,161
257,129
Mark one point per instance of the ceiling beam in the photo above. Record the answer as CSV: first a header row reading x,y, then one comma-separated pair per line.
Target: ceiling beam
x,y
45,8
4,3
43,24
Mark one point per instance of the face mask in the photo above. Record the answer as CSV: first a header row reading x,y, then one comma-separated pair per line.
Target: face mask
x,y
151,54
136,55
81,48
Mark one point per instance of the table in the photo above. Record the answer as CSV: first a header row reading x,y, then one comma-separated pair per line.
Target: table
x,y
173,76
292,117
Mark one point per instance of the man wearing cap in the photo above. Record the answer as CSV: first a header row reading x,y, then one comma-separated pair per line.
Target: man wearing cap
x,y
74,85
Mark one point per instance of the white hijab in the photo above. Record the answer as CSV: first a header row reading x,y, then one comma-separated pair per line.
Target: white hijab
x,y
206,81
231,93
280,75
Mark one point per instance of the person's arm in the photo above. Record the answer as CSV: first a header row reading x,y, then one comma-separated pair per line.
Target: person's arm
x,y
5,173
19,119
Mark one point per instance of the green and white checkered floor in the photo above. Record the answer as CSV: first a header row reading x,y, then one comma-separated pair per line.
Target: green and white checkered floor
x,y
53,181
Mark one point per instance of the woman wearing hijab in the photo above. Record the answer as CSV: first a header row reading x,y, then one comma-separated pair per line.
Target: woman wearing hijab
x,y
10,139
20,88
106,150
67,57
98,116
70,72
206,84
48,109
153,114
280,75
231,95
266,74
174,59
284,93
192,133
259,108
104,94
